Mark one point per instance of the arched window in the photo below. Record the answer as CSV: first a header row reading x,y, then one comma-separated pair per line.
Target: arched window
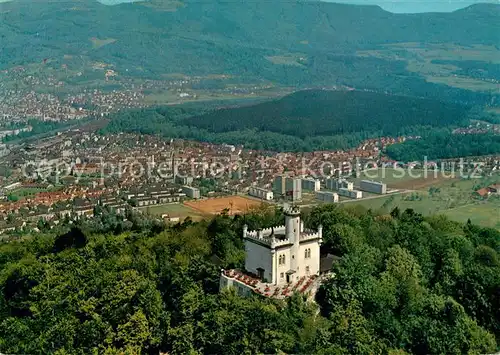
x,y
280,260
283,259
305,256
308,253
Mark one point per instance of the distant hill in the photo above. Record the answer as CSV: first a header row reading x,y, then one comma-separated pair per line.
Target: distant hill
x,y
322,112
303,121
293,43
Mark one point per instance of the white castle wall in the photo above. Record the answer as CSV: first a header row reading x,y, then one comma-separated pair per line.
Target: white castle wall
x,y
313,262
258,256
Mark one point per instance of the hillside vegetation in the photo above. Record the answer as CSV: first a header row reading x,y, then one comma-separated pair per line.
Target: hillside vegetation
x,y
441,145
321,112
252,41
303,121
404,284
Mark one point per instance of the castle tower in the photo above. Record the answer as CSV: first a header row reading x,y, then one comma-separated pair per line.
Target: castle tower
x,y
292,232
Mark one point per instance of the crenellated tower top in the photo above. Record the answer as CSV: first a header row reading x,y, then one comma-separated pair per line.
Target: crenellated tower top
x,y
291,211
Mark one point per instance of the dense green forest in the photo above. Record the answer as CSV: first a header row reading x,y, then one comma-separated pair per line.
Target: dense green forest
x,y
404,284
442,145
168,123
323,112
142,40
303,121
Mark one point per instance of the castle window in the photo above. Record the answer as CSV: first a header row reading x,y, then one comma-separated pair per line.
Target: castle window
x,y
282,275
308,253
307,270
281,260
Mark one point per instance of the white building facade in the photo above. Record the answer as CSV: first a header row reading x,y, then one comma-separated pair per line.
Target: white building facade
x,y
260,193
337,184
327,196
281,257
373,186
350,193
311,185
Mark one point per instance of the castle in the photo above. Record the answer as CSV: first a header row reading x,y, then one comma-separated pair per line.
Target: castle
x,y
278,260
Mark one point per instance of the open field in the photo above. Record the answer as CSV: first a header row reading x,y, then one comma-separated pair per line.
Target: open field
x,y
483,213
429,60
288,59
173,210
169,97
401,180
450,51
464,83
235,204
98,43
495,110
454,198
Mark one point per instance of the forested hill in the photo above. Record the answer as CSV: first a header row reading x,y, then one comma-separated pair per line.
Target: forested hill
x,y
323,112
260,24
404,284
257,40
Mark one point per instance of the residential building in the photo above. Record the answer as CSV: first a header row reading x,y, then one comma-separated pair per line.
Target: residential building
x,y
260,193
310,184
287,187
191,192
293,189
373,186
336,184
279,185
327,196
350,193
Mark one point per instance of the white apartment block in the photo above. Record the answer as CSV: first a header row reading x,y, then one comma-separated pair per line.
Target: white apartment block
x,y
327,196
337,184
192,192
373,186
350,193
261,193
287,187
311,184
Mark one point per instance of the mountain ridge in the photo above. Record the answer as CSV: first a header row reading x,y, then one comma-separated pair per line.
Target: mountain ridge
x,y
258,41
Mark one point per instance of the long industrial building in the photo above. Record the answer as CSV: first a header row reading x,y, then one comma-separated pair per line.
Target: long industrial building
x,y
327,196
373,186
260,193
350,193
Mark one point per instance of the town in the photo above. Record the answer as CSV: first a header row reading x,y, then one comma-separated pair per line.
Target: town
x,y
67,175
